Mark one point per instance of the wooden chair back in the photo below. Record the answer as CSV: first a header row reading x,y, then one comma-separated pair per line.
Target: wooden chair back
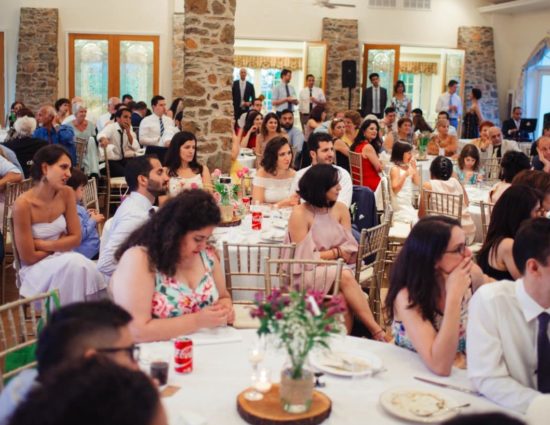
x,y
16,261
91,198
486,212
439,203
492,168
356,168
81,148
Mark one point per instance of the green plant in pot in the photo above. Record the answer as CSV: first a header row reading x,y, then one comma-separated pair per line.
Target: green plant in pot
x,y
301,321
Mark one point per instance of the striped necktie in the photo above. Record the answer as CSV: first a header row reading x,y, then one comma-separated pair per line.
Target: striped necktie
x,y
161,127
543,354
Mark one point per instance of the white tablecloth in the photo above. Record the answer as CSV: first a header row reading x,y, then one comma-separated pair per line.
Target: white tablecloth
x,y
247,160
222,371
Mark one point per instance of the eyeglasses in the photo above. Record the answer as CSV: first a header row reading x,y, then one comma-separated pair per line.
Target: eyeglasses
x,y
133,351
460,249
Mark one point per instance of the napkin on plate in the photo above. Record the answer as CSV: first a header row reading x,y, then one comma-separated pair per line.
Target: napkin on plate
x,y
221,335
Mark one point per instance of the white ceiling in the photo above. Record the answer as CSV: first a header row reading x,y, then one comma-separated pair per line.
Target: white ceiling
x,y
513,7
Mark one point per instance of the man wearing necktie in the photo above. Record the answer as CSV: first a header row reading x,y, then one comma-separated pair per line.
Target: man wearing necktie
x,y
451,103
309,97
374,98
508,334
283,95
243,94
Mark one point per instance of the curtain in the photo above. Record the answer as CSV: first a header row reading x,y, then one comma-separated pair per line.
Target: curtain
x,y
428,68
267,62
534,58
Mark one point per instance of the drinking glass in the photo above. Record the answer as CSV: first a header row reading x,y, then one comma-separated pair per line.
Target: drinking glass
x,y
255,357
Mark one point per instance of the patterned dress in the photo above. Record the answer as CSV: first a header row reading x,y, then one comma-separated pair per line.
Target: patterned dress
x,y
401,106
174,299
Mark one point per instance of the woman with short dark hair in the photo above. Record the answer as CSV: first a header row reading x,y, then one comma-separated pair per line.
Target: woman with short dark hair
x,y
473,116
400,101
512,164
168,277
403,175
321,229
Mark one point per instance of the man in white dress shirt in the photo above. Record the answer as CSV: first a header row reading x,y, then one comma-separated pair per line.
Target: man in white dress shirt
x,y
508,335
321,150
105,118
309,97
283,96
120,141
450,102
146,179
157,129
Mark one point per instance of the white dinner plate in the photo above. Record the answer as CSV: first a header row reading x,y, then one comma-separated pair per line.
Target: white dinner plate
x,y
272,235
346,364
418,405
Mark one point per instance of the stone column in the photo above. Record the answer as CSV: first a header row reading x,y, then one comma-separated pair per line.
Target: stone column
x,y
480,68
209,35
343,44
177,54
37,62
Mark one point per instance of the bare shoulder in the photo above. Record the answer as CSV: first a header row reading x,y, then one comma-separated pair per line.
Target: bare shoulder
x,y
505,246
402,299
427,185
261,172
340,208
23,203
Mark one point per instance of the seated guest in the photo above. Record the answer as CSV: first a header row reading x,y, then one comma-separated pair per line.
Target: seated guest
x,y
498,147
517,204
12,116
74,102
46,231
538,180
542,160
403,175
120,140
75,331
512,163
127,99
84,130
510,127
256,106
508,334
420,125
431,282
293,134
321,151
184,170
62,108
352,121
321,229
175,108
316,117
22,112
389,122
157,129
337,131
168,277
404,133
467,170
106,117
139,109
23,143
369,145
443,140
54,134
273,180
441,170
535,144
249,133
483,142
146,179
444,115
271,128
89,219
93,391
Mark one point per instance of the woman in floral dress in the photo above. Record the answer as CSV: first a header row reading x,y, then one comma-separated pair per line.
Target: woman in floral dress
x,y
168,278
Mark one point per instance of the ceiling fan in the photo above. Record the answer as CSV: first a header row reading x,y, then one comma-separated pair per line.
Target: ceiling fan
x,y
329,5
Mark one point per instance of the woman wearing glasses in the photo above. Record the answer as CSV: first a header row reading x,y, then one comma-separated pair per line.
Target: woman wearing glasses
x,y
431,282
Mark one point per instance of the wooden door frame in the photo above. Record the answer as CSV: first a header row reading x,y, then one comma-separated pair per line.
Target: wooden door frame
x,y
317,43
2,81
113,41
445,79
367,47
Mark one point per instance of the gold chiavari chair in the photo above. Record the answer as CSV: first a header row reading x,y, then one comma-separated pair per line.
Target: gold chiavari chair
x,y
356,168
491,166
486,211
81,148
438,203
115,187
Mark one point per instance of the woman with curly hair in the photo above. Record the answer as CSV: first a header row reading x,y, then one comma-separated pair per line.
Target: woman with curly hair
x,y
272,182
271,128
167,277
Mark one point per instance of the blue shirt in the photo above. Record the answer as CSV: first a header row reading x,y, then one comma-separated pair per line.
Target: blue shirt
x,y
89,244
63,135
279,92
296,138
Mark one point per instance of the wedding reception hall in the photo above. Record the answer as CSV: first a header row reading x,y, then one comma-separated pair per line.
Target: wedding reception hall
x,y
274,212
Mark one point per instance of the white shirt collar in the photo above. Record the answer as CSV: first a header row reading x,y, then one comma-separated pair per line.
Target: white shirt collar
x,y
530,308
141,200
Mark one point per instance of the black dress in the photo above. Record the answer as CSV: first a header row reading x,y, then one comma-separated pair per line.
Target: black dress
x,y
470,127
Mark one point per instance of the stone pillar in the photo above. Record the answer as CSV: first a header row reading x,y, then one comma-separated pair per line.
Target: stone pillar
x,y
37,62
343,44
209,35
177,55
480,68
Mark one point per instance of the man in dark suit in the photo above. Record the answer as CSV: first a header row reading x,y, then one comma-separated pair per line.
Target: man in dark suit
x,y
374,98
510,127
243,94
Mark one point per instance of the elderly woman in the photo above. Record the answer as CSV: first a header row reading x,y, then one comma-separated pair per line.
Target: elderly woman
x,y
443,140
23,144
84,131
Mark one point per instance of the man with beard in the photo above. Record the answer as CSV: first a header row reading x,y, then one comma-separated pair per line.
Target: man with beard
x,y
294,134
146,179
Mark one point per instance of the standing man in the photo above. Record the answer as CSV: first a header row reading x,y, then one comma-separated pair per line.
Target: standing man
x,y
309,97
243,94
510,127
157,129
451,103
283,96
374,98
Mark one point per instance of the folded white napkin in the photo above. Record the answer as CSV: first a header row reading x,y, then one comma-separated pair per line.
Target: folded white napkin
x,y
222,335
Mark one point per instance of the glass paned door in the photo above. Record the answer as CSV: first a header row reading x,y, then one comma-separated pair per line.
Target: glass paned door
x,y
91,73
544,100
454,70
384,60
315,60
137,69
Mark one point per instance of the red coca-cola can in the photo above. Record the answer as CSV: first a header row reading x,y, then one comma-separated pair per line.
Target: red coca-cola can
x,y
256,220
183,356
246,203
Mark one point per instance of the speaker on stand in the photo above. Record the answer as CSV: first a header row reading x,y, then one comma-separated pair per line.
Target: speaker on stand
x,y
349,77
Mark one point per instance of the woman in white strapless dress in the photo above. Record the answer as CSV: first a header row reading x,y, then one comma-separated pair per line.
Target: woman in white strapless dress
x,y
47,228
402,177
272,182
183,168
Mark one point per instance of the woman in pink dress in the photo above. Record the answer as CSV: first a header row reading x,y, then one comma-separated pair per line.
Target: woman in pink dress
x,y
321,229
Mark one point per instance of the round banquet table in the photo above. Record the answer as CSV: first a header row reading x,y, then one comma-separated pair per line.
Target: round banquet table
x,y
248,161
221,371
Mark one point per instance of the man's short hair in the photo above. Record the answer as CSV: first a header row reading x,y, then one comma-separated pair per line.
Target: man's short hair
x,y
77,179
76,327
285,71
309,75
120,110
532,241
127,96
135,167
515,108
452,83
372,75
316,138
443,113
60,102
139,106
417,111
287,111
389,110
156,99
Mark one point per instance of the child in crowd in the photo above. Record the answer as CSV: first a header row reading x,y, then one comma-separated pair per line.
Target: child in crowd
x,y
467,171
89,219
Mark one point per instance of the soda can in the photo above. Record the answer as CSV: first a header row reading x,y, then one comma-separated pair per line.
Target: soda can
x,y
246,203
256,220
183,356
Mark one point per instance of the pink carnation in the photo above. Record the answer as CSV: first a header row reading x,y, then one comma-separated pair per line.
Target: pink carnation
x,y
194,185
240,174
216,173
245,170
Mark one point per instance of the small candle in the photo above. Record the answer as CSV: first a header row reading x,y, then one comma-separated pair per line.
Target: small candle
x,y
263,383
314,306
